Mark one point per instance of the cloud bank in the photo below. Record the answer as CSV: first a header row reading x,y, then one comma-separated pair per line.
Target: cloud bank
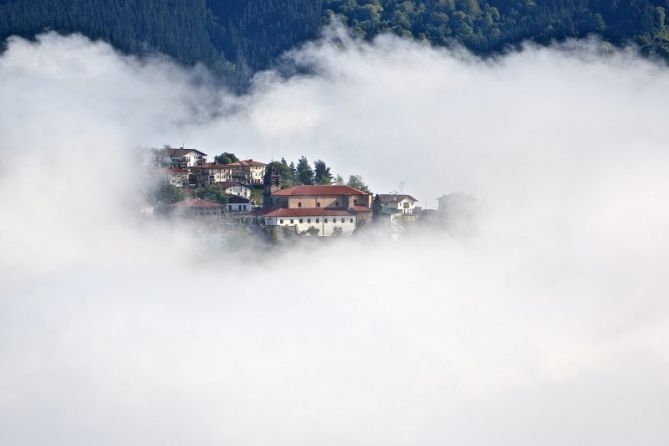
x,y
547,327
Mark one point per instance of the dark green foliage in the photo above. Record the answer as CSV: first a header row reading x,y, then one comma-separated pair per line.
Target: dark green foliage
x,y
488,26
237,37
232,37
166,194
305,174
322,173
212,194
285,173
226,158
357,182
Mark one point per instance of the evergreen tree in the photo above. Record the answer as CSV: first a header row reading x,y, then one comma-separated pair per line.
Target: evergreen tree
x,y
322,173
305,174
357,182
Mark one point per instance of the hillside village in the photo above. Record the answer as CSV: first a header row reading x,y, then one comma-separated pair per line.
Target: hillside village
x,y
282,200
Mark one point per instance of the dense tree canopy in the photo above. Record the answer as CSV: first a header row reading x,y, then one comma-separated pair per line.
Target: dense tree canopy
x,y
237,37
486,26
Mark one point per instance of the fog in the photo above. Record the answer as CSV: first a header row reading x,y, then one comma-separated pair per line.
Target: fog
x,y
549,325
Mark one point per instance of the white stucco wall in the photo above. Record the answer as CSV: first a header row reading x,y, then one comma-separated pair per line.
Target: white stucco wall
x,y
325,229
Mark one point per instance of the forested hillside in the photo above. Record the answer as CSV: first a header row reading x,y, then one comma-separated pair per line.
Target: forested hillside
x,y
237,37
233,37
490,25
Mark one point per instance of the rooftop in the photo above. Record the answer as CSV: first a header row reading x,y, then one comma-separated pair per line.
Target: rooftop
x,y
196,203
181,151
395,198
305,212
298,191
246,163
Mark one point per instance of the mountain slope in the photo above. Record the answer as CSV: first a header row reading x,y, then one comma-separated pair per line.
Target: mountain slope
x,y
235,38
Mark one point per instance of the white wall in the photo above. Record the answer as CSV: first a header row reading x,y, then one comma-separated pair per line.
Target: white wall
x,y
324,229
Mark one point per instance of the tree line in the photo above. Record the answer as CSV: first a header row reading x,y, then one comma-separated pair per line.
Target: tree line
x,y
302,173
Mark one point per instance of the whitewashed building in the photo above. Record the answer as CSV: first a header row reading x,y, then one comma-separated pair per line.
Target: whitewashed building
x,y
406,204
236,189
175,177
248,171
311,221
186,157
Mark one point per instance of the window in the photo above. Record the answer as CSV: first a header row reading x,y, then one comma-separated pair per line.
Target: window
x,y
308,220
292,221
325,220
351,221
406,205
318,220
244,207
318,204
301,220
280,222
299,204
229,207
342,220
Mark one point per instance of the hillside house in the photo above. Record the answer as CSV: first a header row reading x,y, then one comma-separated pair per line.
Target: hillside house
x,y
183,158
248,171
175,177
347,198
405,204
238,204
197,207
235,188
209,174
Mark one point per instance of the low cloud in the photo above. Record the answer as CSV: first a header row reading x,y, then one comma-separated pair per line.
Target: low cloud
x,y
548,326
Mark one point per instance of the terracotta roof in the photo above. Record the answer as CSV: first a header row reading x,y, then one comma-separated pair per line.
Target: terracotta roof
x,y
182,151
395,198
197,203
246,163
305,212
319,190
212,166
361,209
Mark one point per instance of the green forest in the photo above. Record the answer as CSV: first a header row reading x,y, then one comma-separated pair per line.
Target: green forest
x,y
489,26
236,38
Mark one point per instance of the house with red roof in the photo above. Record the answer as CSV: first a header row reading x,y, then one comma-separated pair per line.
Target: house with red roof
x,y
248,171
321,210
197,207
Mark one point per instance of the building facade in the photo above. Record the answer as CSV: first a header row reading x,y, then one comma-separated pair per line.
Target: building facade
x,y
405,204
314,222
248,171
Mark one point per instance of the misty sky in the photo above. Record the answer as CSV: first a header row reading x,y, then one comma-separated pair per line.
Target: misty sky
x,y
549,326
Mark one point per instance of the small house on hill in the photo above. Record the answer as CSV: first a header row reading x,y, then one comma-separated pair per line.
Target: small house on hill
x,y
197,207
186,157
402,203
248,171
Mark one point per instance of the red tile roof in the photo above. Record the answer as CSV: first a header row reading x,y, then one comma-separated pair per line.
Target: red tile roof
x,y
246,163
305,212
197,203
298,191
212,166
